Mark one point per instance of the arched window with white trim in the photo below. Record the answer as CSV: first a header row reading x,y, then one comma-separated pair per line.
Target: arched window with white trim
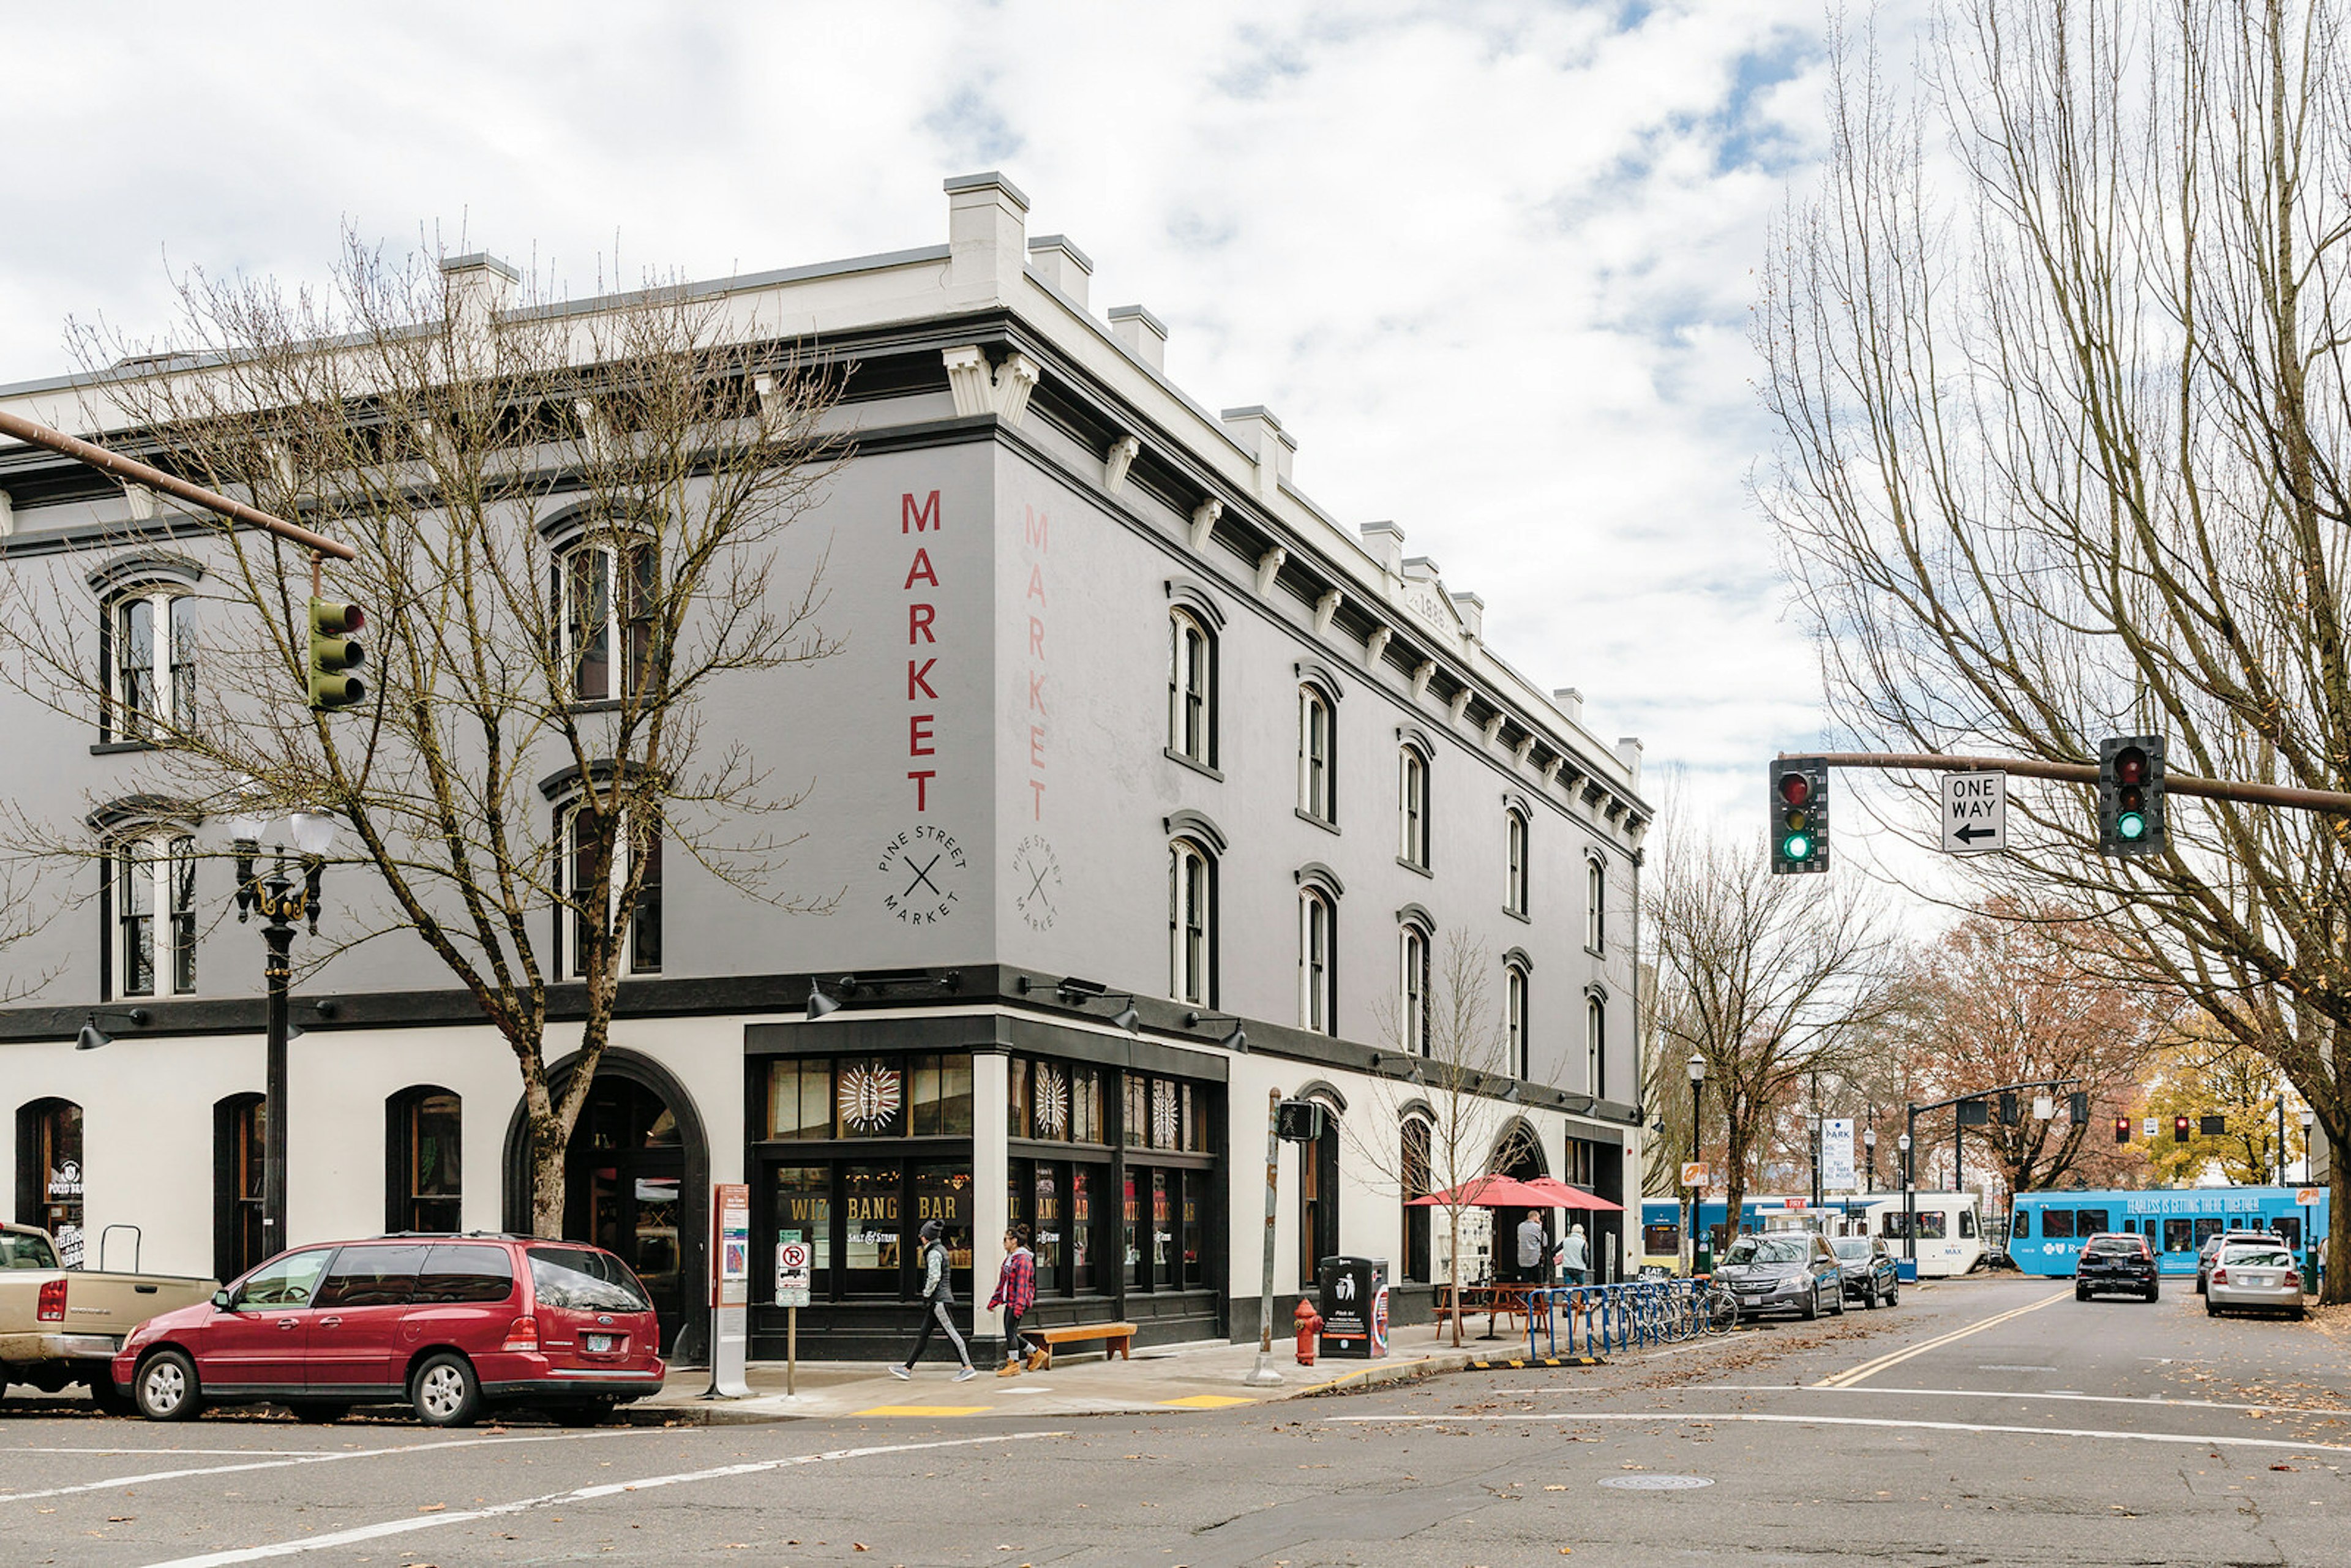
x,y
1517,1020
606,590
147,658
1191,923
1318,960
581,873
1191,686
151,892
1514,855
1318,794
1596,903
1595,1045
1413,805
1417,1136
1414,999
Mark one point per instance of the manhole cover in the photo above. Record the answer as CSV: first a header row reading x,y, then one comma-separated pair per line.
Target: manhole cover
x,y
1656,1483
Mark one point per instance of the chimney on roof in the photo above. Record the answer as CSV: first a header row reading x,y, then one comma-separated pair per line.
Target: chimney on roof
x,y
987,233
1473,613
477,288
1628,752
1260,435
1385,543
1062,266
1142,334
1569,701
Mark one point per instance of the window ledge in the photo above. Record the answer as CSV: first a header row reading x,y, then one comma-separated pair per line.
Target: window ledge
x,y
1415,866
1325,824
1595,952
1519,915
1194,763
119,747
598,705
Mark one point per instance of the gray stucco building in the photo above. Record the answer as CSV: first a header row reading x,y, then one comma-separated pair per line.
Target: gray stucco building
x,y
1121,713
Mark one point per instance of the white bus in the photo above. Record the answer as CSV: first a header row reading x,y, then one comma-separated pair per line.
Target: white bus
x,y
1950,1230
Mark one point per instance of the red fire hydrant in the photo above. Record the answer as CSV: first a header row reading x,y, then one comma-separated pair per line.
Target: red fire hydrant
x,y
1309,1323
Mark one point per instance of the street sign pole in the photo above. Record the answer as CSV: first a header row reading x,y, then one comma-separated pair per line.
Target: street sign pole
x,y
793,1274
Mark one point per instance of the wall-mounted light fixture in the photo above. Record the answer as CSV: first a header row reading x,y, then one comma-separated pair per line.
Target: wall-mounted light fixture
x,y
91,1037
1235,1040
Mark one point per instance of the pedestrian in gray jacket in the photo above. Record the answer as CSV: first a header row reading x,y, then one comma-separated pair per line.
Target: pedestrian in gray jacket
x,y
938,1300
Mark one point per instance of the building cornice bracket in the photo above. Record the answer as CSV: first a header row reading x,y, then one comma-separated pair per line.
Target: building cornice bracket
x,y
1204,524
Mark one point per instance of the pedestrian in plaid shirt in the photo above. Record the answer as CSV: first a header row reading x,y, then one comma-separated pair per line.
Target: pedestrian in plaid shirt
x,y
1016,1292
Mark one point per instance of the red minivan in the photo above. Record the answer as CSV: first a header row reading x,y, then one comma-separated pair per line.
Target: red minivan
x,y
449,1324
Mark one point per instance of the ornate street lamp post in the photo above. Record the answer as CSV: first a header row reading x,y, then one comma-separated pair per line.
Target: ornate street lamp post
x,y
1869,1142
1697,1081
280,902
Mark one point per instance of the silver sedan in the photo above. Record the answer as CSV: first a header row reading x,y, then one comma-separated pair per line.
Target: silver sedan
x,y
2254,1274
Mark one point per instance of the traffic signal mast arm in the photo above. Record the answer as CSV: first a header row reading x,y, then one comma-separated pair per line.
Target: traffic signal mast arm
x,y
2336,802
138,473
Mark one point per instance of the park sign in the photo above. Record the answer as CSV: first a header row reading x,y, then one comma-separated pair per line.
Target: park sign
x,y
1975,813
1694,1174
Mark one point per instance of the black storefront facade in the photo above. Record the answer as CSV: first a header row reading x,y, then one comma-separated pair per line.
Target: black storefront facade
x,y
1111,1148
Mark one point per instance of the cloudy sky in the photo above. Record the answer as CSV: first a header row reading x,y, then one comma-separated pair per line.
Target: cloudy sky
x,y
1491,263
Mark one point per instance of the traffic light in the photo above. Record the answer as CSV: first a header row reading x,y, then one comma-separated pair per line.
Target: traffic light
x,y
2078,1105
2212,1126
2130,795
2010,1111
1975,1113
1297,1120
2122,1129
335,649
1800,815
2179,1129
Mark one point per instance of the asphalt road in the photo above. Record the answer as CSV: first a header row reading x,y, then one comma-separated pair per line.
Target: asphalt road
x,y
1995,1421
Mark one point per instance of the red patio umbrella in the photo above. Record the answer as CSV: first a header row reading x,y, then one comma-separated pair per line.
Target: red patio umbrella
x,y
1566,1196
1493,1191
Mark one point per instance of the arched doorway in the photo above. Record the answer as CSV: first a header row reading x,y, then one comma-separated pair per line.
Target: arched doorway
x,y
1518,1155
636,1183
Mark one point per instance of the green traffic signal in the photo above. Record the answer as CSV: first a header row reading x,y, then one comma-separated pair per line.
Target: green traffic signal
x,y
2130,826
334,652
1796,847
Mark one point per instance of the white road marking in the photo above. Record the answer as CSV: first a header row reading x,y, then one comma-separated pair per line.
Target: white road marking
x,y
556,1500
287,1460
1662,1419
1853,1374
2142,1400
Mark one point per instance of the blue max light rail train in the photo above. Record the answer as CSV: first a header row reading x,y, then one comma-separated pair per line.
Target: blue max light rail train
x,y
2046,1228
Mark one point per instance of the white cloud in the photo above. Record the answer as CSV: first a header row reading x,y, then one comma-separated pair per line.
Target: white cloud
x,y
1491,263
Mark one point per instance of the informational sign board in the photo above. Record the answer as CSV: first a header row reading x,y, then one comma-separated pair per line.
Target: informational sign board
x,y
1695,1173
793,1273
1837,1155
2307,1196
730,1249
1975,813
2147,1126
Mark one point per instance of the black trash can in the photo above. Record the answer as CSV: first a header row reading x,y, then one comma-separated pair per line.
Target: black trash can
x,y
1354,1307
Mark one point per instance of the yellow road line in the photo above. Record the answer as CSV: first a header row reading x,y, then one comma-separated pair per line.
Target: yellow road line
x,y
928,1410
1852,1375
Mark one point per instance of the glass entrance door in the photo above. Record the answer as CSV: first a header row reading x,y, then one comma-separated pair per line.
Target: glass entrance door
x,y
626,1190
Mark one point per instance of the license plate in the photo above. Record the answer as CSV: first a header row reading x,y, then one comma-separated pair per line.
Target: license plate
x,y
596,1344
1751,1301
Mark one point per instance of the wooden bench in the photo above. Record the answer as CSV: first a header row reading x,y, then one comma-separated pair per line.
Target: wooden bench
x,y
1118,1337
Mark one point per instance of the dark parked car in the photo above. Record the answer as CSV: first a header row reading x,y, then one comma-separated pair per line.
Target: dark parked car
x,y
1870,1275
2212,1250
1787,1272
2115,1261
449,1325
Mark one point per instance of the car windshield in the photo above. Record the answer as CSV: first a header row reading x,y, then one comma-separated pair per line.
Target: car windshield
x,y
1852,1248
2112,1246
2256,1258
585,1280
1766,1250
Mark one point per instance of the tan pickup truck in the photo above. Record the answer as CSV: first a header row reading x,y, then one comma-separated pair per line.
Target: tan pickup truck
x,y
59,1326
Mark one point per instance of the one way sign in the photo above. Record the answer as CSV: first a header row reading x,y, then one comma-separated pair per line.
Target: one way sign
x,y
1975,812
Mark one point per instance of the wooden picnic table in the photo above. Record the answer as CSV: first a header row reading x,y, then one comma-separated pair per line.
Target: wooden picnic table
x,y
1510,1298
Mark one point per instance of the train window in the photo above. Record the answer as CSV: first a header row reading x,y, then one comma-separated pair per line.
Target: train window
x,y
2023,1231
1967,1223
2205,1230
2056,1222
2179,1235
2089,1222
1931,1223
2290,1228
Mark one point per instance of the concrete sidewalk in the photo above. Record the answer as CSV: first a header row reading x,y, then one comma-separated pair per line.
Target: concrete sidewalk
x,y
1200,1376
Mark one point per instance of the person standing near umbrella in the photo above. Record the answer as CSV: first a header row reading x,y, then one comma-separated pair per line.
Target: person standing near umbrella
x,y
1574,1258
1534,1249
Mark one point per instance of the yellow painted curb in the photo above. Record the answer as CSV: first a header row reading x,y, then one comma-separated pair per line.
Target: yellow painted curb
x,y
1209,1401
928,1410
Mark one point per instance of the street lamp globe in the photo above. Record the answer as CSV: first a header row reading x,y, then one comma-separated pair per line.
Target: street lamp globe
x,y
1902,1142
1869,1137
1696,1068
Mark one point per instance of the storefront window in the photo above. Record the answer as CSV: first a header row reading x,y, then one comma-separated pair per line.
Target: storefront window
x,y
870,1099
1130,1231
799,1099
1086,1124
1016,1101
1138,1111
1167,1118
1083,1180
1163,1230
942,1192
869,1250
1196,1184
1047,1240
49,1174
942,1095
802,1207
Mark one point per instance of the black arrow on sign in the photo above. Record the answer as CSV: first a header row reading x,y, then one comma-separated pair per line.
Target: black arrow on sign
x,y
1970,833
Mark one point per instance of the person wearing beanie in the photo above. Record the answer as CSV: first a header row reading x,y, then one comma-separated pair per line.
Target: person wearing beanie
x,y
1577,1258
938,1297
1016,1292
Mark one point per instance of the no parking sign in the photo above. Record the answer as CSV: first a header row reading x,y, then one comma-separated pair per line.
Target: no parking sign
x,y
792,1266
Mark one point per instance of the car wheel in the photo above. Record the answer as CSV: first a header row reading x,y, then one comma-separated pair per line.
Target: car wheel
x,y
446,1392
164,1387
311,1414
1812,1304
2199,1284
1837,1299
2209,1310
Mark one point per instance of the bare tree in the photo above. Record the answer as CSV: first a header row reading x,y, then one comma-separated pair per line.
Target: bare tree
x,y
2058,356
1768,978
568,525
1441,1122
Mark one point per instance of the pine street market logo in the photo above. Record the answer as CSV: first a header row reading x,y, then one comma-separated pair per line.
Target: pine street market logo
x,y
922,873
1036,881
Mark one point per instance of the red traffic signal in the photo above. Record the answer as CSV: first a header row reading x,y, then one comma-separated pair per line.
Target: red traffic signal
x,y
1795,789
2122,1129
2179,1129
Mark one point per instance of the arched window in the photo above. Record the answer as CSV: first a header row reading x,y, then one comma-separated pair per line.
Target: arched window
x,y
147,660
1516,1020
1318,960
580,872
150,896
424,1165
1318,792
1596,903
1416,1139
1415,1001
1191,923
49,1172
1412,798
1191,687
606,590
240,1137
1514,849
1596,1046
